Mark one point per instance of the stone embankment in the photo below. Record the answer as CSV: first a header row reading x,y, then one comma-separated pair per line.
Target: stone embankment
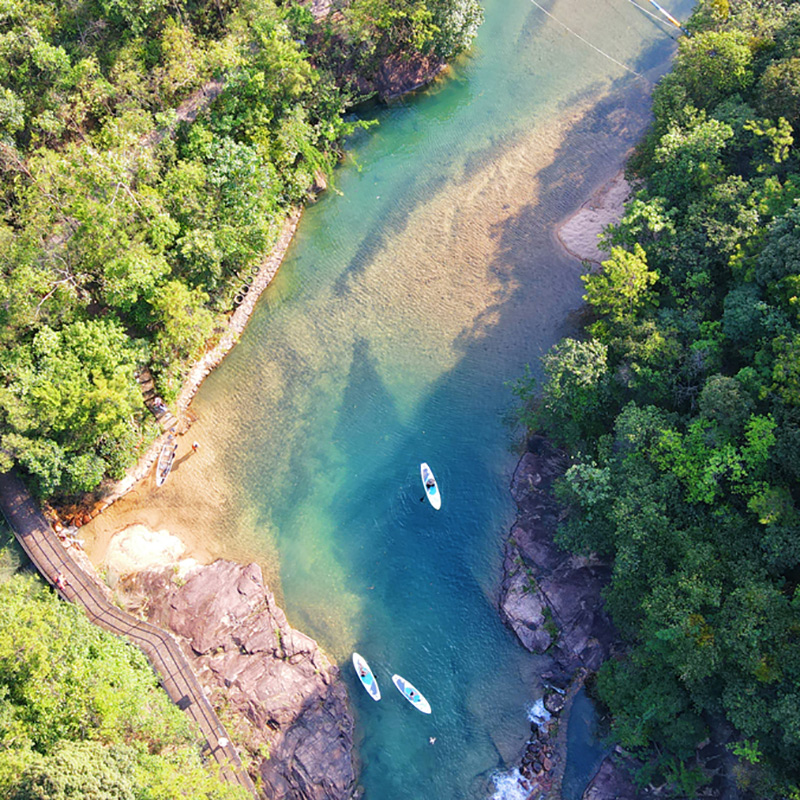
x,y
552,600
278,694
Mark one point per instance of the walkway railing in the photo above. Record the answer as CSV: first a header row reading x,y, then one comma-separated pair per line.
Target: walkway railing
x,y
51,559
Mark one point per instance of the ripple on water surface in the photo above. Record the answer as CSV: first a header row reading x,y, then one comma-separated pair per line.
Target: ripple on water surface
x,y
405,304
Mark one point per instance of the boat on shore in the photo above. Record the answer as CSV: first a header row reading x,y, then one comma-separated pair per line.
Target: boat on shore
x,y
166,458
412,694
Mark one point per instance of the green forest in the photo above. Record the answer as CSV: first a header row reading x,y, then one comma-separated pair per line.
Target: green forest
x,y
128,224
81,712
680,409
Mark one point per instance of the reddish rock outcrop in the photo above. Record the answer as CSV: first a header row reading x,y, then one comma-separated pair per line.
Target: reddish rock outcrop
x,y
611,782
551,599
278,693
401,73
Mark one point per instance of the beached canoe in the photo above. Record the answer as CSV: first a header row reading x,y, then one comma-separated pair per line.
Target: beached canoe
x,y
411,694
431,492
366,676
165,459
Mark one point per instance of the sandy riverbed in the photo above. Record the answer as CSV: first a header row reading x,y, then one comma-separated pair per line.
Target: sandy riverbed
x,y
180,515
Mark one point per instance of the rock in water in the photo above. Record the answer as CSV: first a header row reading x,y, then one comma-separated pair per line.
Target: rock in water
x,y
288,707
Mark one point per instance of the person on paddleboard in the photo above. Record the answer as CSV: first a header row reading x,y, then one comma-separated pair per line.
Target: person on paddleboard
x,y
430,483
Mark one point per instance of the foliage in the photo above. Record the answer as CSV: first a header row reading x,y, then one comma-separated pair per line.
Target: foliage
x,y
621,288
570,397
81,712
439,27
134,207
681,410
714,64
71,404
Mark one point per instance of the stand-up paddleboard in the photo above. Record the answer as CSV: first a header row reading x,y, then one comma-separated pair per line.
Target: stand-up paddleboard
x,y
366,677
431,492
411,694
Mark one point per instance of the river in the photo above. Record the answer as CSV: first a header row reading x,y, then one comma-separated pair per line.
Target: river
x,y
409,297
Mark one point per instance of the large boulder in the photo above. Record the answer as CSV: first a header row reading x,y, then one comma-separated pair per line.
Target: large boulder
x,y
283,701
611,782
551,600
525,610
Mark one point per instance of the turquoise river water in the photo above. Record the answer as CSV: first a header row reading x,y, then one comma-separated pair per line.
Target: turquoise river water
x,y
408,299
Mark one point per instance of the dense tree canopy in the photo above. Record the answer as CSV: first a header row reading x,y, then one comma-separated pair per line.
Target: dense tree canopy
x,y
81,712
684,423
134,210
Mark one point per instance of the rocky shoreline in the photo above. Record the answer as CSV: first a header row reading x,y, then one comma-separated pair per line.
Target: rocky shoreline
x,y
274,689
551,599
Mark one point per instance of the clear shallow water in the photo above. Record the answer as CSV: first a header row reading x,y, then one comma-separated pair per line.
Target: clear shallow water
x,y
585,751
404,305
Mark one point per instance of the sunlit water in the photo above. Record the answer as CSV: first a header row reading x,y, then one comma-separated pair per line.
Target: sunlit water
x,y
408,299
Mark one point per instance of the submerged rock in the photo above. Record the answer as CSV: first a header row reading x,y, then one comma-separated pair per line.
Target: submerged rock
x,y
282,698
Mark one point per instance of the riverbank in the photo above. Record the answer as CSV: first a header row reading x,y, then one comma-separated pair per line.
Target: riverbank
x,y
550,599
110,492
579,233
278,693
553,601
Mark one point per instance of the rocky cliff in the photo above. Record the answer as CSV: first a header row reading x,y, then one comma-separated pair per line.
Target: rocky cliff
x,y
274,689
552,600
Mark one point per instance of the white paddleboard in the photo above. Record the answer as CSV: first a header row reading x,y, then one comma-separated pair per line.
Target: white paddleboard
x,y
431,492
366,676
411,694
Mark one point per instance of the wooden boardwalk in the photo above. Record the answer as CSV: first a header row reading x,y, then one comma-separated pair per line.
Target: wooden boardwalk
x,y
51,559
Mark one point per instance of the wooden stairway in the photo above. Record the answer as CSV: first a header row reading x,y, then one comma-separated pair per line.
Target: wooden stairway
x,y
165,418
59,568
